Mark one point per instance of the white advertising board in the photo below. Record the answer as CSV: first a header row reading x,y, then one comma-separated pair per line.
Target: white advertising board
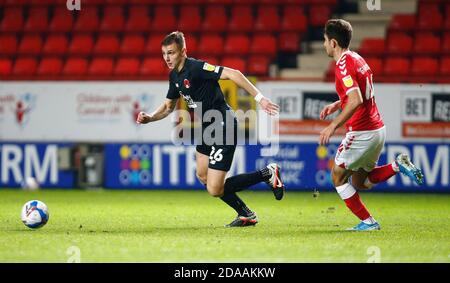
x,y
106,111
411,112
81,111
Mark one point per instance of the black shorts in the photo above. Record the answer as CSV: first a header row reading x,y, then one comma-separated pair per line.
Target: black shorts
x,y
220,155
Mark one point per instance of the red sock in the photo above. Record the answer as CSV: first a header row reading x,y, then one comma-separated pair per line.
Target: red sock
x,y
381,174
355,204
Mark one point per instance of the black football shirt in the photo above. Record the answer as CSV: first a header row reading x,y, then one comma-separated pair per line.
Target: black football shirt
x,y
198,82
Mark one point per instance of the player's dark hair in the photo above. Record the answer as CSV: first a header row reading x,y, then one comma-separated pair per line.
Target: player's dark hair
x,y
174,37
339,30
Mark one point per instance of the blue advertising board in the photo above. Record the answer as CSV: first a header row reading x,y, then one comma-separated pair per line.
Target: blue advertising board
x,y
39,160
305,166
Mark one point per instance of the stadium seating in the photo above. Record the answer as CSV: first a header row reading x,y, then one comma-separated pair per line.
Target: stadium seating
x,y
190,19
372,46
56,44
424,66
113,19
396,66
294,19
81,44
427,43
88,21
153,44
403,22
399,44
114,39
446,43
5,67
376,65
25,66
12,20
444,67
127,67
37,20
430,22
319,15
107,44
8,44
50,66
62,20
75,67
101,66
164,19
212,44
241,19
237,44
235,62
31,44
138,19
258,65
289,42
267,19
132,45
264,44
153,67
215,19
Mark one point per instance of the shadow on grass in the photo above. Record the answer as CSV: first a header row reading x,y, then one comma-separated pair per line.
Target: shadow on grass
x,y
254,231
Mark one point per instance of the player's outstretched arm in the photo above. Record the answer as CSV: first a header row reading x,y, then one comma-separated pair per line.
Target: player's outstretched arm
x,y
237,77
354,100
160,113
330,109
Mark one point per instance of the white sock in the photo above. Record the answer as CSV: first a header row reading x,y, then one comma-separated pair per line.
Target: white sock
x,y
370,220
345,191
395,166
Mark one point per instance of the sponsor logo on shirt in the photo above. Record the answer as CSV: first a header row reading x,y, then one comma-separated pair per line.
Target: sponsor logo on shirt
x,y
348,81
209,67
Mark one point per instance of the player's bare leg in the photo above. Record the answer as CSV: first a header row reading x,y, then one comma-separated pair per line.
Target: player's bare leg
x,y
215,181
340,177
202,167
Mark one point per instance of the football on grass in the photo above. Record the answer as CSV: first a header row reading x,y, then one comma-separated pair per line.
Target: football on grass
x,y
34,214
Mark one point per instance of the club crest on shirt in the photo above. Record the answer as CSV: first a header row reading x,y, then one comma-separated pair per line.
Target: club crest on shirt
x,y
187,83
348,81
209,67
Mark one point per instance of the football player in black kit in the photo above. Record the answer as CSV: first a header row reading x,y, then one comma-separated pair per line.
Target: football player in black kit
x,y
197,82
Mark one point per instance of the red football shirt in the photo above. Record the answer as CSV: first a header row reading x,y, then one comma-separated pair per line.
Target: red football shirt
x,y
353,73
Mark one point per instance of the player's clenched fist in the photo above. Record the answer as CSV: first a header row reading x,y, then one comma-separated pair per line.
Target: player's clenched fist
x,y
143,118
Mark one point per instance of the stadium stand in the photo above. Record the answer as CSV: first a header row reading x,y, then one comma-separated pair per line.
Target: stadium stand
x,y
124,36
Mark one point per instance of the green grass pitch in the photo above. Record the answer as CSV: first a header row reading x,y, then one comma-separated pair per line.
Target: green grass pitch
x,y
187,226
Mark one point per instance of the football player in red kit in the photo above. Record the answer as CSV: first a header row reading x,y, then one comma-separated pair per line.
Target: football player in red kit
x,y
357,156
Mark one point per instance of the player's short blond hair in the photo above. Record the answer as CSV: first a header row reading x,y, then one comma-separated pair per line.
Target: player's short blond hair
x,y
174,37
